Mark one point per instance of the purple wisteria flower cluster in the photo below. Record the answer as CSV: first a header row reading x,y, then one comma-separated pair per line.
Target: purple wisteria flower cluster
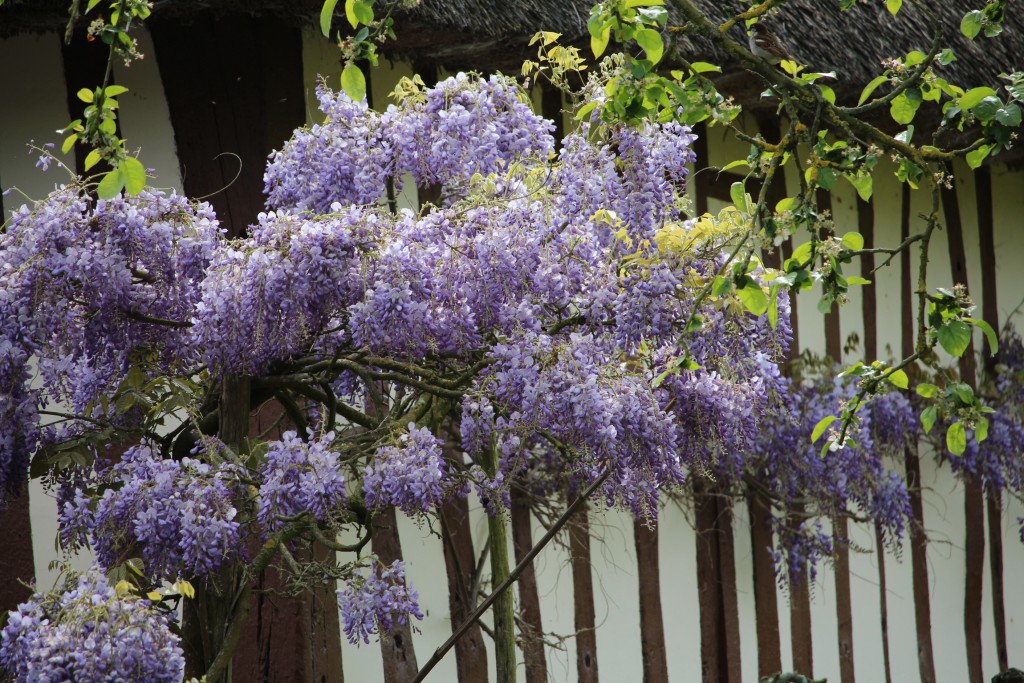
x,y
550,297
809,484
299,477
178,516
90,634
463,126
411,476
376,600
85,288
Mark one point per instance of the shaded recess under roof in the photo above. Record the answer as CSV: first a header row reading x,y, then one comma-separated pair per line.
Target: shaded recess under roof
x,y
468,34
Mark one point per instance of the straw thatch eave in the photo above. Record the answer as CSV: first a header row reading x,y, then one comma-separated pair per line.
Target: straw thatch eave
x,y
465,34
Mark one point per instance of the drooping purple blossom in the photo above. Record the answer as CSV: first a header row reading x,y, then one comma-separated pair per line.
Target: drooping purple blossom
x,y
178,516
300,477
411,476
90,634
373,601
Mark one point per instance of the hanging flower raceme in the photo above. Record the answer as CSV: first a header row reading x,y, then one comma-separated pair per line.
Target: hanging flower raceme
x,y
86,287
810,484
374,601
90,634
300,476
178,516
270,295
411,476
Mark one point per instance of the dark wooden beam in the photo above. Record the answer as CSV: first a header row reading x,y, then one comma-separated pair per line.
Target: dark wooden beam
x,y
918,538
801,629
869,309
531,628
234,92
844,599
85,64
396,646
460,567
583,595
974,506
833,333
652,625
17,562
990,314
766,607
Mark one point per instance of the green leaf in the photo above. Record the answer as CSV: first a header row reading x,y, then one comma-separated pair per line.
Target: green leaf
x,y
773,307
704,67
990,334
954,337
927,390
92,159
903,108
86,95
363,10
600,32
326,14
753,297
974,96
928,417
853,241
975,157
956,438
893,6
586,109
69,142
738,196
721,285
899,379
1009,115
987,109
92,5
350,13
650,41
870,88
863,184
822,425
353,82
971,24
964,393
114,90
826,178
110,186
855,280
134,174
981,429
828,93
734,164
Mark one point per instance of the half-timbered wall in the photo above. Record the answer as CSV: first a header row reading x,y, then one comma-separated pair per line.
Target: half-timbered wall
x,y
989,234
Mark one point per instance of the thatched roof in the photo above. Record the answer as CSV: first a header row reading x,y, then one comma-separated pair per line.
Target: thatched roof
x,y
489,34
